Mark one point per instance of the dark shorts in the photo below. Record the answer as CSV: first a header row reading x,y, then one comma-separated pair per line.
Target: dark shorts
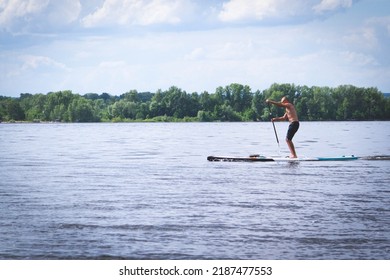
x,y
292,129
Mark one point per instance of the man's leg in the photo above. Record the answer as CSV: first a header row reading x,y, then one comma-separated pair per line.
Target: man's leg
x,y
290,145
292,129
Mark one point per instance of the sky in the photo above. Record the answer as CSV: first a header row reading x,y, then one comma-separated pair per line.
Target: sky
x,y
114,46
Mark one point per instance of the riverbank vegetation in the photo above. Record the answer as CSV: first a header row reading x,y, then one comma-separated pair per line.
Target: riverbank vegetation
x,y
234,102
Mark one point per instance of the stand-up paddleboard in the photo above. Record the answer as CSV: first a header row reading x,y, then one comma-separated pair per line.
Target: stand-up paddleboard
x,y
286,159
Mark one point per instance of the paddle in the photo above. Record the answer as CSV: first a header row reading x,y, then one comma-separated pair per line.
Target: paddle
x,y
276,135
273,124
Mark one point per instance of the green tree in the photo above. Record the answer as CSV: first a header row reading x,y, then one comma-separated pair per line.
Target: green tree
x,y
320,106
57,105
13,110
204,116
234,102
81,110
5,106
33,106
131,96
258,106
240,97
157,107
375,104
227,114
302,103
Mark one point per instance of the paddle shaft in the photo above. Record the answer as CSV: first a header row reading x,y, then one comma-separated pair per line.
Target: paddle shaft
x,y
273,124
276,135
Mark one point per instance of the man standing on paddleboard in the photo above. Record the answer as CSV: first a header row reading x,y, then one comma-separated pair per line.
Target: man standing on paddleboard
x,y
292,117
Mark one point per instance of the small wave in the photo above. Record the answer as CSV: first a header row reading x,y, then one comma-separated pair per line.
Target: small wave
x,y
377,157
127,227
76,226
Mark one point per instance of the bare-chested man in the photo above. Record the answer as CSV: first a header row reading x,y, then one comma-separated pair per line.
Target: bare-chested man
x,y
292,117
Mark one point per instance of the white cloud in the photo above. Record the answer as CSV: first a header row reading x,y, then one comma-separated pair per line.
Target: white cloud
x,y
330,5
106,76
196,54
380,22
236,10
372,36
16,9
235,50
207,51
136,12
67,12
362,38
279,10
32,62
37,15
31,73
359,59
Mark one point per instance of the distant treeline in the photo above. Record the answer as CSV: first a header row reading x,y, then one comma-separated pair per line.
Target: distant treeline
x,y
234,102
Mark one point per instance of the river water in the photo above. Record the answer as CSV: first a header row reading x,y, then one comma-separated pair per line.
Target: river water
x,y
146,191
